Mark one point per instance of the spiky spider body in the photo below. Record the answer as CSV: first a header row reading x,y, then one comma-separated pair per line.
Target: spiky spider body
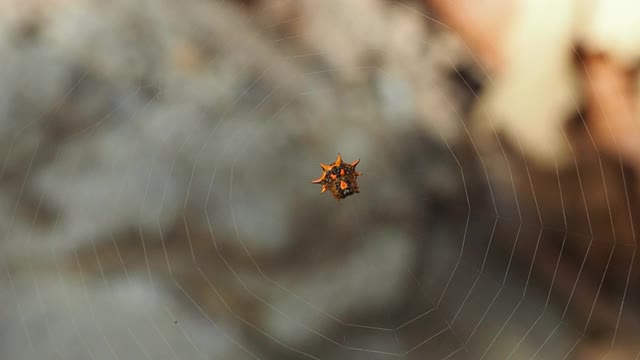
x,y
339,178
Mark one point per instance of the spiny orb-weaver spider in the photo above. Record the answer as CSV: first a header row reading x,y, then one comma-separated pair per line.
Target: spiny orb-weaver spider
x,y
339,178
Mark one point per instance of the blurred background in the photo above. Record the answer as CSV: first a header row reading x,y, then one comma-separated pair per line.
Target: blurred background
x,y
156,160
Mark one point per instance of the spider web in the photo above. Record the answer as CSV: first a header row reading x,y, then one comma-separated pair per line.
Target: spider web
x,y
156,199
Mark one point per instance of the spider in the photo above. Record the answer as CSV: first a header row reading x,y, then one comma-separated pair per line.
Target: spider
x,y
339,178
